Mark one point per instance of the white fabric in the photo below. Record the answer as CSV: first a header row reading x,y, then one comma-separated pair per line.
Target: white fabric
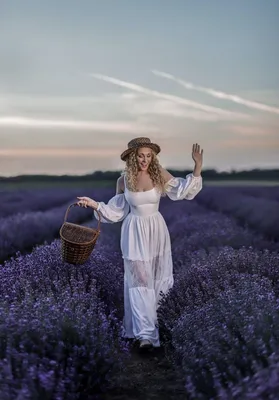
x,y
180,188
146,251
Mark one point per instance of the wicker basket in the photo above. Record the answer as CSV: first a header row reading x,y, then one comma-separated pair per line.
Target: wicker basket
x,y
77,242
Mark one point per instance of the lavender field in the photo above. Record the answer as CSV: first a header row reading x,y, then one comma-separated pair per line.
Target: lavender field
x,y
219,325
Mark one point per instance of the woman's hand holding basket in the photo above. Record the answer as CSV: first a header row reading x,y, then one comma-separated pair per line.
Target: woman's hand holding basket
x,y
87,202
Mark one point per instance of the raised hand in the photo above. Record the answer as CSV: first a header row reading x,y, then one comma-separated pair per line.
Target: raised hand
x,y
197,154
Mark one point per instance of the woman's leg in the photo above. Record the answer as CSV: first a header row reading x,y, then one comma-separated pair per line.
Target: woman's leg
x,y
140,301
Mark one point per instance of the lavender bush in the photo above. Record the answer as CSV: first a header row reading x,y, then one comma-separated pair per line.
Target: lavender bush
x,y
59,345
261,215
203,276
268,192
263,384
193,226
207,230
58,338
221,340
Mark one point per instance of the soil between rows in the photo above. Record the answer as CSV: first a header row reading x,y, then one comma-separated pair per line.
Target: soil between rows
x,y
147,376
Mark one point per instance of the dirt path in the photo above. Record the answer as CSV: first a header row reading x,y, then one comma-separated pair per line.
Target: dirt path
x,y
148,377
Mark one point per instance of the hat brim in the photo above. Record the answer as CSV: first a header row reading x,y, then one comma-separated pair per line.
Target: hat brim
x,y
155,147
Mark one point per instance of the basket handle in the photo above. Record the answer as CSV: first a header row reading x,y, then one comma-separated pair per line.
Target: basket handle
x,y
76,204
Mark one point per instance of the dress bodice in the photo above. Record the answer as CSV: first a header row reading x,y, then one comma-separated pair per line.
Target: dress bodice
x,y
143,203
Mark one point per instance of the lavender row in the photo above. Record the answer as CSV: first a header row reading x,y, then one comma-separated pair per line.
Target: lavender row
x,y
21,232
193,227
220,323
59,340
208,316
22,201
266,192
263,192
225,341
261,215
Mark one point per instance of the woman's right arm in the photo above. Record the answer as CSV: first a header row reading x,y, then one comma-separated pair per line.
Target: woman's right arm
x,y
117,208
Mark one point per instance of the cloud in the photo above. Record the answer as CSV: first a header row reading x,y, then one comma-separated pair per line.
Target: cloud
x,y
18,101
218,94
108,106
106,126
164,108
220,113
253,131
248,144
56,152
269,96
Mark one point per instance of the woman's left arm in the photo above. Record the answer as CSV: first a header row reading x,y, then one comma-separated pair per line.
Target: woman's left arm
x,y
185,188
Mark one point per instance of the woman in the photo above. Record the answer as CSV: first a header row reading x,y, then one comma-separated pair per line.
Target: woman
x,y
145,241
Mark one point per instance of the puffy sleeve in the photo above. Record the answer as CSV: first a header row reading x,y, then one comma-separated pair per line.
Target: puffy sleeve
x,y
184,188
115,210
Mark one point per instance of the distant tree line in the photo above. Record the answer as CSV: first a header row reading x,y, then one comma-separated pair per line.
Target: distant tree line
x,y
210,174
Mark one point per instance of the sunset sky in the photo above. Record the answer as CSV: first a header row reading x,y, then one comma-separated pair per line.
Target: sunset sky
x,y
79,79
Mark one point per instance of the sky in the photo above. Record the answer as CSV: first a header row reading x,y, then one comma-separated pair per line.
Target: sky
x,y
80,79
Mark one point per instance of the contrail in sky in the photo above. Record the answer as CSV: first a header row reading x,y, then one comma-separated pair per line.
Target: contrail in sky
x,y
106,126
169,97
220,95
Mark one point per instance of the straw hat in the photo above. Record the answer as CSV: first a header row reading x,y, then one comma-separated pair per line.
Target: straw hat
x,y
137,143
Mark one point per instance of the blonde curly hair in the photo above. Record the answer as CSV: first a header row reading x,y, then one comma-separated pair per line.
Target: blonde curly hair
x,y
154,169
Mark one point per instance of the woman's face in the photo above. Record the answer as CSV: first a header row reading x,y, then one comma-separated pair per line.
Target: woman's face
x,y
144,158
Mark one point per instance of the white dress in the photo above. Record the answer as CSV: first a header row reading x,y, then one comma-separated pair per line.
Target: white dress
x,y
146,251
